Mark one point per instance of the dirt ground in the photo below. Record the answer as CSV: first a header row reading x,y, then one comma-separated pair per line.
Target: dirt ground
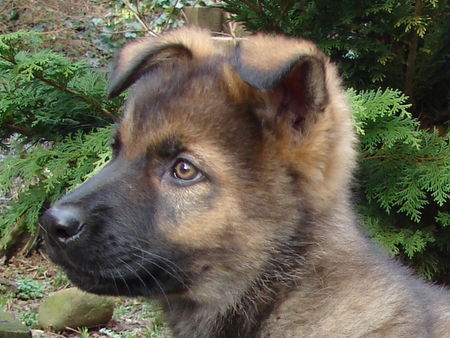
x,y
132,317
67,24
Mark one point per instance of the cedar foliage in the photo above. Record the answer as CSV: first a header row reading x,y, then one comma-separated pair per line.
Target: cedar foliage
x,y
60,123
404,180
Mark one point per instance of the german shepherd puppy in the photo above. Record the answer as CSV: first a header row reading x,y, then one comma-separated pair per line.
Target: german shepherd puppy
x,y
228,199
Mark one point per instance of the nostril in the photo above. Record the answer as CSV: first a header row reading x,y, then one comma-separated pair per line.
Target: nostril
x,y
68,227
63,223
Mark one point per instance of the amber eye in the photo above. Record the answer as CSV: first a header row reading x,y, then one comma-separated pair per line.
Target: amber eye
x,y
186,171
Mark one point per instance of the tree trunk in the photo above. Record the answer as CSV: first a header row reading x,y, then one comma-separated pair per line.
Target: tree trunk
x,y
412,55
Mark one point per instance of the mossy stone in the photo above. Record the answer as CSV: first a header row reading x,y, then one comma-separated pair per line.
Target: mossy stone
x,y
74,308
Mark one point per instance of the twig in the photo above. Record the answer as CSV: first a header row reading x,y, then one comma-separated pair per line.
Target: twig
x,y
283,11
102,111
416,159
72,330
171,13
20,129
231,25
7,282
130,31
138,18
184,16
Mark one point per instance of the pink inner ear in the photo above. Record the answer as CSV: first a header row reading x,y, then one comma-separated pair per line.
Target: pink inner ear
x,y
296,93
292,96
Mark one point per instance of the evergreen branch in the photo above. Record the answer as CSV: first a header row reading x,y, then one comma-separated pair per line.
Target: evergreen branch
x,y
107,114
89,101
20,129
257,9
404,158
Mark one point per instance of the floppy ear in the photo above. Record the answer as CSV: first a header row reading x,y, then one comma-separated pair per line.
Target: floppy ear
x,y
142,55
290,73
138,58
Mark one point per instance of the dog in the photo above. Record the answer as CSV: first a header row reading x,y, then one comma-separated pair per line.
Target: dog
x,y
228,199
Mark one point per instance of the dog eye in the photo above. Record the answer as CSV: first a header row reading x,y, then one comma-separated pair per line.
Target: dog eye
x,y
186,171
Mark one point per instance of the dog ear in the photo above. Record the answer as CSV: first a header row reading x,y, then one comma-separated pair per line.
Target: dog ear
x,y
289,72
143,55
138,58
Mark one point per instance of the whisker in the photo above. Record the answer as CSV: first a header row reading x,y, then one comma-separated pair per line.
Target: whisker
x,y
144,259
112,277
156,281
50,235
174,267
133,272
175,275
123,279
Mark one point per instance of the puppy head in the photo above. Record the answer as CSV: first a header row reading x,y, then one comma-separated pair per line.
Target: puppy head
x,y
219,157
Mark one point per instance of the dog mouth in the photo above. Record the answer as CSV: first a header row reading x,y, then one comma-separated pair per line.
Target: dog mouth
x,y
133,284
134,275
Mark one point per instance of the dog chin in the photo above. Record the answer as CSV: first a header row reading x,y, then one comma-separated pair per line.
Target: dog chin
x,y
133,285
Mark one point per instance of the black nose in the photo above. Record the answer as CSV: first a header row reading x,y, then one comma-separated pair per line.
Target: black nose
x,y
63,224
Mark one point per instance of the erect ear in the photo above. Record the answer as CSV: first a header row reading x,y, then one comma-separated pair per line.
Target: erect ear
x,y
289,72
142,55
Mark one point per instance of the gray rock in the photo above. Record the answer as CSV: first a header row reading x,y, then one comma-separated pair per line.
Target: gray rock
x,y
74,308
11,328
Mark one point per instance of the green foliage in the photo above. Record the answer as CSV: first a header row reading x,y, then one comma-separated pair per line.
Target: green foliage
x,y
443,218
405,177
57,110
30,289
83,332
60,281
46,172
131,19
45,95
370,40
29,318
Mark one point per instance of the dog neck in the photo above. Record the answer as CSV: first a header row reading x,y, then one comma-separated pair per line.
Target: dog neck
x,y
189,319
296,268
283,274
